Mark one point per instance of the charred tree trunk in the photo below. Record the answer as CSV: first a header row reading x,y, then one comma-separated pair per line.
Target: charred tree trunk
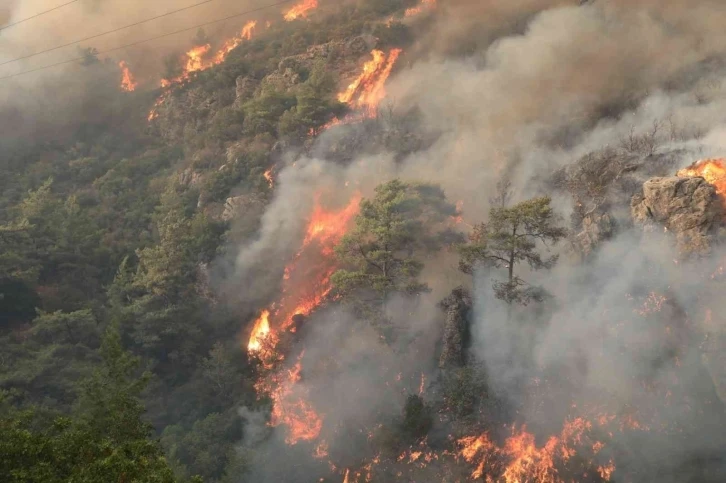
x,y
456,329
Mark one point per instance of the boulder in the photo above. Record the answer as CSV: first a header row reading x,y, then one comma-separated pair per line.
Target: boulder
x,y
687,207
457,306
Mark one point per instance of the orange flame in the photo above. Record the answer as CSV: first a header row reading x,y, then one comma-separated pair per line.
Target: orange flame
x,y
128,82
268,176
260,331
234,42
712,170
367,91
301,10
521,459
305,286
290,408
195,60
425,4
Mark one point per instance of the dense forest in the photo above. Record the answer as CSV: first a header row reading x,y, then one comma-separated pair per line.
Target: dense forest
x,y
364,241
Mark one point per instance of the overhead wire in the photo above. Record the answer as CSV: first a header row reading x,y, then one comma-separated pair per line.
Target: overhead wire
x,y
58,7
140,22
76,59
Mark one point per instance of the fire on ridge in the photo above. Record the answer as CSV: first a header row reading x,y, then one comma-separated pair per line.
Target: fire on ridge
x,y
305,285
301,10
712,170
128,81
197,59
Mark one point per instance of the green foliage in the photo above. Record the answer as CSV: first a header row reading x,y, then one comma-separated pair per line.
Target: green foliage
x,y
417,417
381,253
18,302
511,236
70,328
463,389
207,448
105,442
262,113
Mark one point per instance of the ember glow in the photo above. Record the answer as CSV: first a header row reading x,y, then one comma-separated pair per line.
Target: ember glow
x,y
368,90
301,10
712,170
128,82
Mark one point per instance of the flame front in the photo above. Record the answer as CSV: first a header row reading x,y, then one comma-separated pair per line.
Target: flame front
x,y
712,170
197,60
128,82
234,42
520,459
424,5
260,332
305,286
368,90
301,10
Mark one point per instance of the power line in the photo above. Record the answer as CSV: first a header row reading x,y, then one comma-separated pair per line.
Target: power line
x,y
106,33
151,39
36,15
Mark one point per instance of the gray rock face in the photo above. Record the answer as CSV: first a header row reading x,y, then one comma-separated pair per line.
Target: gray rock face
x,y
687,207
596,227
238,206
457,307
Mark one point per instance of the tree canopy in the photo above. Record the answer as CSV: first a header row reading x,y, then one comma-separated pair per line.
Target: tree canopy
x,y
382,254
514,235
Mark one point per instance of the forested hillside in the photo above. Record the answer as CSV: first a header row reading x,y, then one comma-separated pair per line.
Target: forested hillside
x,y
363,241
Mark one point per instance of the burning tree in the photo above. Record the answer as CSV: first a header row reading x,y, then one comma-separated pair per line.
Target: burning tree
x,y
402,221
509,237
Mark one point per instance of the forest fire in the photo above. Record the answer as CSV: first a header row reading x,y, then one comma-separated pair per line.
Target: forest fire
x,y
128,82
305,285
269,178
291,408
301,10
425,4
260,331
712,170
195,60
520,459
367,91
233,43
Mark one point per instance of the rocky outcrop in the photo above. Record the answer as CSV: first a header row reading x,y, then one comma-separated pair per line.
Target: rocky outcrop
x,y
457,306
596,228
689,208
244,88
238,206
602,184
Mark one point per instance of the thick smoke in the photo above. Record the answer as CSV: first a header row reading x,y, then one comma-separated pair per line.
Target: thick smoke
x,y
50,103
543,84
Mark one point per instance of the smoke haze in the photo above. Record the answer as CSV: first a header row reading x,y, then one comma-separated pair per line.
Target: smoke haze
x,y
551,83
